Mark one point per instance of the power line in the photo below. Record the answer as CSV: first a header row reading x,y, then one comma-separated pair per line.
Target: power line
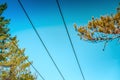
x,y
41,40
29,62
70,39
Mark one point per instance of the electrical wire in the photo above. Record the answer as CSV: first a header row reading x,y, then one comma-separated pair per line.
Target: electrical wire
x,y
70,39
41,40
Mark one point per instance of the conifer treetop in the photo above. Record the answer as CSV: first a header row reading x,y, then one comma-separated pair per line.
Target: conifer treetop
x,y
13,61
2,8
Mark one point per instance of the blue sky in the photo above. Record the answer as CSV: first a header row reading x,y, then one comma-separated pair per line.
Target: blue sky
x,y
96,64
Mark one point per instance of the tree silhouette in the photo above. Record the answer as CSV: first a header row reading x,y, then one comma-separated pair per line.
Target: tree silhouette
x,y
105,29
13,62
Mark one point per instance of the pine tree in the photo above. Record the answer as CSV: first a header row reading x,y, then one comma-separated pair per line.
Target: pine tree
x,y
105,29
13,62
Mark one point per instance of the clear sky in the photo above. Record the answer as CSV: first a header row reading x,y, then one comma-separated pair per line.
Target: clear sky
x,y
96,64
